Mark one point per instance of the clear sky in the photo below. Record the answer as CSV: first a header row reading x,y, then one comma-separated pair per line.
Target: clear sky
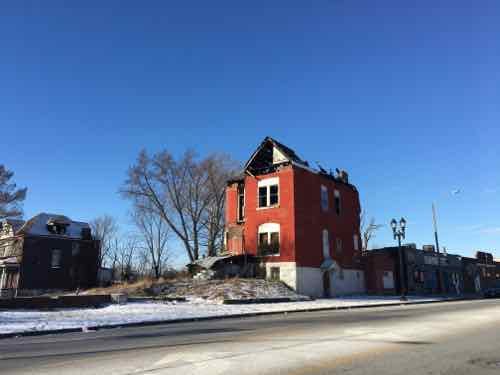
x,y
404,95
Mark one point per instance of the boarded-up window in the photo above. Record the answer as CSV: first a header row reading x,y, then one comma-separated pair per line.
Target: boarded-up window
x,y
339,245
55,261
388,280
338,202
274,274
324,198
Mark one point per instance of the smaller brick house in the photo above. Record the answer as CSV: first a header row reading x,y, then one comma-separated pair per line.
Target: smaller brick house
x,y
421,270
46,252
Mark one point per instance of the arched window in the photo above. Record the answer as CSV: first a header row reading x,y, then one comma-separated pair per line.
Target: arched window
x,y
326,244
269,239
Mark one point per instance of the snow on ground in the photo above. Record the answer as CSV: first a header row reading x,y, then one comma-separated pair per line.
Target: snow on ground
x,y
135,312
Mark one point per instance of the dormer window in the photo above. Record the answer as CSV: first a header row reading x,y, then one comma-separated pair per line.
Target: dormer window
x,y
57,225
56,228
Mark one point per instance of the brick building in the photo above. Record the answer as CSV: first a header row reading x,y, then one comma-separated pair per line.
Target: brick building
x,y
46,252
301,223
421,269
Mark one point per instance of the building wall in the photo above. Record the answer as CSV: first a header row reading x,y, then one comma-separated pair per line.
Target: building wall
x,y
376,266
309,280
288,272
302,221
76,270
311,220
283,215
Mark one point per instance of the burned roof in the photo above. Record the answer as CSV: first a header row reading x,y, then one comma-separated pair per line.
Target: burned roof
x,y
271,153
39,224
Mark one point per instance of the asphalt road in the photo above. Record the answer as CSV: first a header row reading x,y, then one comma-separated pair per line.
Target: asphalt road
x,y
446,338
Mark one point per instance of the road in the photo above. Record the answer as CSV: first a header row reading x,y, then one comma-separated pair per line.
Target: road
x,y
446,338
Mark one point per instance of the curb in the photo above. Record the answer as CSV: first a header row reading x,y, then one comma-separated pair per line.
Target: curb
x,y
219,317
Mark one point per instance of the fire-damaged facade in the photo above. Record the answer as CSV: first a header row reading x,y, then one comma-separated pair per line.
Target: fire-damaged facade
x,y
47,252
302,224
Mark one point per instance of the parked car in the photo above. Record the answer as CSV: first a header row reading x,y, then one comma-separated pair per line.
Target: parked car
x,y
492,293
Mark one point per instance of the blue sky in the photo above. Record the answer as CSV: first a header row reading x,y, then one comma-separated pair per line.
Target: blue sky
x,y
403,95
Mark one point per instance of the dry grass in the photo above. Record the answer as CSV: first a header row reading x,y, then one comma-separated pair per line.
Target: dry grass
x,y
213,290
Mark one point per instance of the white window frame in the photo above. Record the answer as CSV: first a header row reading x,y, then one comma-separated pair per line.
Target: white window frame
x,y
325,237
269,228
267,183
324,198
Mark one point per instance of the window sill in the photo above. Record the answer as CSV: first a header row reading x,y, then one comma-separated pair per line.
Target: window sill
x,y
268,207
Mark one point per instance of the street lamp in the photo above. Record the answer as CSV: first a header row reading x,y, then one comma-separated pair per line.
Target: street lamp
x,y
399,233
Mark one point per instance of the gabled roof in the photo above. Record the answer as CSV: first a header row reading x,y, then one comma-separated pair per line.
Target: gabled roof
x,y
37,226
264,154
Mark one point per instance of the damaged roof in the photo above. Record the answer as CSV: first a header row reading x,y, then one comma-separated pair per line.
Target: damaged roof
x,y
37,226
271,152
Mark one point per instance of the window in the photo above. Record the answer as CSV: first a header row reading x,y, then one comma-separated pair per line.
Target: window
x,y
326,244
75,249
324,198
275,239
274,274
241,203
355,239
55,261
339,245
338,203
269,192
263,196
263,239
273,195
269,239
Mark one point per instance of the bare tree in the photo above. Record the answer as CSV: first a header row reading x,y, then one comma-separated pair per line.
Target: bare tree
x,y
219,168
11,198
153,234
104,229
368,230
127,251
181,192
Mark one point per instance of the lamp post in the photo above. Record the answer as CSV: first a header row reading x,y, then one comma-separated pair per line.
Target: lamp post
x,y
399,233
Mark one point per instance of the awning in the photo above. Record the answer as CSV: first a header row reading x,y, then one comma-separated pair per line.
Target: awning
x,y
329,265
208,262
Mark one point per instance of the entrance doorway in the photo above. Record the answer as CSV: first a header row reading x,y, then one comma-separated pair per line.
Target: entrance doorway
x,y
326,284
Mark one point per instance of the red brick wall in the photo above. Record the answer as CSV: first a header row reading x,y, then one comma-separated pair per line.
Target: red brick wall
x,y
300,217
311,220
375,265
283,214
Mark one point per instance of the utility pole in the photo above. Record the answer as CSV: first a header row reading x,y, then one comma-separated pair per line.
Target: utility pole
x,y
437,247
